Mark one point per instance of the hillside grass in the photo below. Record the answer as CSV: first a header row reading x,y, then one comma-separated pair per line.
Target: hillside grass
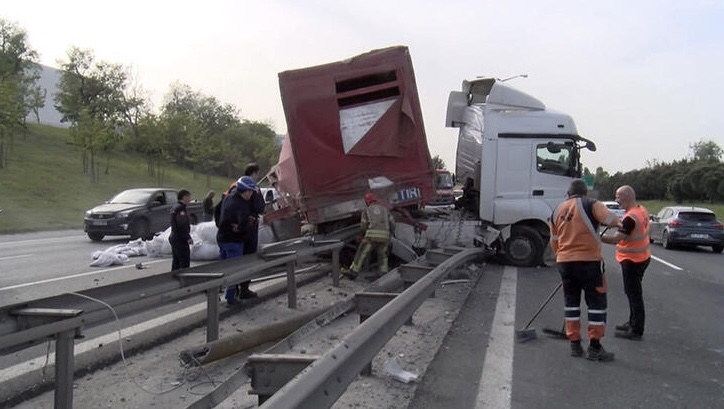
x,y
44,187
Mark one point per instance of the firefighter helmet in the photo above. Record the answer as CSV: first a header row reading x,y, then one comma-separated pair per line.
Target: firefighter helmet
x,y
369,198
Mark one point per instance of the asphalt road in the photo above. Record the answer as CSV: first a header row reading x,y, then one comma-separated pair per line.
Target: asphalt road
x,y
678,364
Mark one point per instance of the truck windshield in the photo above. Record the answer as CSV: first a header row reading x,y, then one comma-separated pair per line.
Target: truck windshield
x,y
555,159
444,180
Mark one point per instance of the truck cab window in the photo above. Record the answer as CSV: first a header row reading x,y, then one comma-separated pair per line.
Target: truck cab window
x,y
555,160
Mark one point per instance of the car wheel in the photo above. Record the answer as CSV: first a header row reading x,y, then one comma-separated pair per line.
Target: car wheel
x,y
524,247
717,249
139,229
96,236
665,241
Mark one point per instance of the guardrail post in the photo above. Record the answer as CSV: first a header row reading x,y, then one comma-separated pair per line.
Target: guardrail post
x,y
369,303
270,372
212,314
64,366
335,267
291,286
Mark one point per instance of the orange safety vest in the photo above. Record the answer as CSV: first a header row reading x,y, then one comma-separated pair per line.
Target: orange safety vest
x,y
635,247
573,235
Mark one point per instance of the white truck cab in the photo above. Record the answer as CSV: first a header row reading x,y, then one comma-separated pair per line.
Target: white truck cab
x,y
516,158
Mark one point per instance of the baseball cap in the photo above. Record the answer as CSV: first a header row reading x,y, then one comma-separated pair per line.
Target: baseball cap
x,y
245,183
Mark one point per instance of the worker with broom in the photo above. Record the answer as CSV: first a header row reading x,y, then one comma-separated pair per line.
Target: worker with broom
x,y
577,245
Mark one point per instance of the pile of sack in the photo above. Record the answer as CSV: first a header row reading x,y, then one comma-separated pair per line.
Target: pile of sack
x,y
204,248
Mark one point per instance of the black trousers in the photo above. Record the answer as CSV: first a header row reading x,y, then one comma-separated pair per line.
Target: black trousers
x,y
585,277
633,275
181,255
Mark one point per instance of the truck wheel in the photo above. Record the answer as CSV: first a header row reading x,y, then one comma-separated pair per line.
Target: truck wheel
x,y
96,236
139,228
717,249
524,247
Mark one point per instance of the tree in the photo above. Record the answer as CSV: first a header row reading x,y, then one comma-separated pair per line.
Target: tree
x,y
19,93
94,92
437,162
707,151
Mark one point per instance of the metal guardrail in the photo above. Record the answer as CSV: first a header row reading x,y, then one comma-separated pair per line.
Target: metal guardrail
x,y
64,316
321,383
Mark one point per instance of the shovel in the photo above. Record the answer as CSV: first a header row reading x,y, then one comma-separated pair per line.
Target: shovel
x,y
526,334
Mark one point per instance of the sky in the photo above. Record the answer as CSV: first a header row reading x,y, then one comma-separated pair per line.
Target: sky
x,y
642,79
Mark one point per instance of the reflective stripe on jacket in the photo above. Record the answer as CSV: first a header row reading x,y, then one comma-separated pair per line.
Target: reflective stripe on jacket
x,y
635,246
377,222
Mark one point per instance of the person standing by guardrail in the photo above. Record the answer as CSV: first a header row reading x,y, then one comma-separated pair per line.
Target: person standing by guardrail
x,y
208,204
633,254
252,240
235,224
180,237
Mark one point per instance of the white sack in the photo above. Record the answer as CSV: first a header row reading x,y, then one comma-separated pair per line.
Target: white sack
x,y
105,259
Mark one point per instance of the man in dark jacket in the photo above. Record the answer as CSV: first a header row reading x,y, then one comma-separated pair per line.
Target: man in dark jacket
x,y
180,237
235,223
252,240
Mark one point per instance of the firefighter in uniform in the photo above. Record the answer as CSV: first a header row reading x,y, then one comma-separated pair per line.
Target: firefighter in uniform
x,y
378,225
634,255
180,237
577,245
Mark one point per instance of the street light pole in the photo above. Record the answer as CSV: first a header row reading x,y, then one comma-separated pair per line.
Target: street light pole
x,y
514,77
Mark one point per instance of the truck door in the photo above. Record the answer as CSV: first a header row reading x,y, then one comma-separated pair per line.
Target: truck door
x,y
553,170
513,183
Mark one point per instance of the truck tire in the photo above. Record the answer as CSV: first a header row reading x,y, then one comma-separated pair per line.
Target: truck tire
x,y
96,236
139,229
524,247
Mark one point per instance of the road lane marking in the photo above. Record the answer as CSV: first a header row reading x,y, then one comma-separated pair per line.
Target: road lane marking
x,y
14,257
46,240
50,280
496,381
111,338
662,261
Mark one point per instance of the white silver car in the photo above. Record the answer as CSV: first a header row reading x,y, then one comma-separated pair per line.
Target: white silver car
x,y
615,208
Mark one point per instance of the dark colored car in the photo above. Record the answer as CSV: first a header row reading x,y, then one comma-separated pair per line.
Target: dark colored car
x,y
136,213
683,225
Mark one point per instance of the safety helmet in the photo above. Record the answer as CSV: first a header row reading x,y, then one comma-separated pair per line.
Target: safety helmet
x,y
369,198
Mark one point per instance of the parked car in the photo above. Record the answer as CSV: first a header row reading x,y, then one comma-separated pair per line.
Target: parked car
x,y
615,208
675,225
135,212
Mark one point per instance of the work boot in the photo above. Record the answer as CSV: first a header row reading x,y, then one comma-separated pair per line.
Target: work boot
x,y
246,293
629,334
576,349
623,327
349,273
599,354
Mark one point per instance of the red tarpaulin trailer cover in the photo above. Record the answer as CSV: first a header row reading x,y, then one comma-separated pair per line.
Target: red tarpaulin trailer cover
x,y
350,123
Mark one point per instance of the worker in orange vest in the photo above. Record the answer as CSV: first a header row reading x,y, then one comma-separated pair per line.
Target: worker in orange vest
x,y
633,254
577,245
